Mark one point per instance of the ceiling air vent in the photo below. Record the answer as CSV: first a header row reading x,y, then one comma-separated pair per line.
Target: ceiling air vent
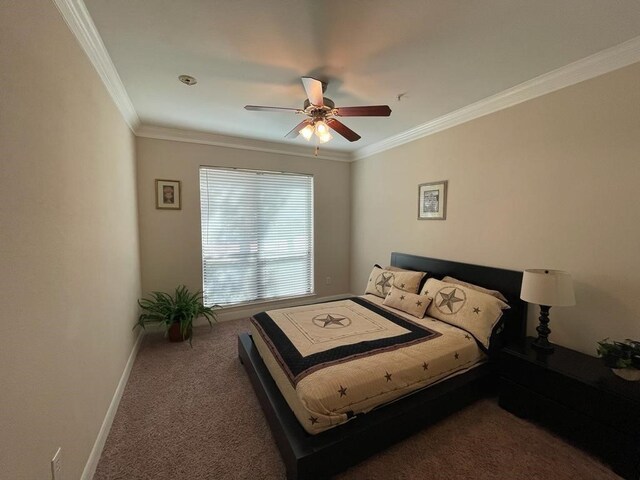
x,y
187,80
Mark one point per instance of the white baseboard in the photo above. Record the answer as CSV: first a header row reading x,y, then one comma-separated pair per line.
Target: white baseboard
x,y
96,451
232,314
249,310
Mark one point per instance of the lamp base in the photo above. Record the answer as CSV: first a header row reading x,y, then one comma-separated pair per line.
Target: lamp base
x,y
542,342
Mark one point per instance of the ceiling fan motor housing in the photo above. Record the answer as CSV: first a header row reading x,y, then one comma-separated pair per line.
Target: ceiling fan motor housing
x,y
328,103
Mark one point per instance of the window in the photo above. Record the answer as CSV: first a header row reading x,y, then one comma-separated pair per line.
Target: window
x,y
257,235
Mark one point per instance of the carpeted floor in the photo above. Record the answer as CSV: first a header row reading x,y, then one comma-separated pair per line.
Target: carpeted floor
x,y
192,414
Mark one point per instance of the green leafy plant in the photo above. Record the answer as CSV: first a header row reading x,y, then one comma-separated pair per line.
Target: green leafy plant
x,y
620,354
182,307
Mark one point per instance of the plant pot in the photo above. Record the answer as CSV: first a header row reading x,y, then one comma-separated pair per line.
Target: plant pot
x,y
175,335
629,374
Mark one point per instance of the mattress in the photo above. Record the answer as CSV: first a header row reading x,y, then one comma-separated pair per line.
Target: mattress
x,y
388,355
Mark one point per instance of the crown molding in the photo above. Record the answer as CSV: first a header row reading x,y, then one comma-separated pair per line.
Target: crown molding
x,y
205,138
77,17
592,66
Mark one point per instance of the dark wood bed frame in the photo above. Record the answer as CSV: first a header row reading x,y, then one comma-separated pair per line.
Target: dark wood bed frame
x,y
320,456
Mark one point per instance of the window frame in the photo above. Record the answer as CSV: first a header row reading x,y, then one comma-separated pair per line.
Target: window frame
x,y
311,250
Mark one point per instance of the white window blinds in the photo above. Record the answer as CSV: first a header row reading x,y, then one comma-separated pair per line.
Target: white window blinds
x,y
257,235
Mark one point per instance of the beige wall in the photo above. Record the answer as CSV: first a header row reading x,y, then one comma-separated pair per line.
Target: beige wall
x,y
170,239
69,262
552,182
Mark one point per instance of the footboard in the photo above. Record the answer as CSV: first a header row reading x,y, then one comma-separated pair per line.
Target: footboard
x,y
319,456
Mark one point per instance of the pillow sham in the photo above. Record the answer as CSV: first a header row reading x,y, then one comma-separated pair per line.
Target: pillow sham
x,y
398,269
410,303
493,293
381,281
465,308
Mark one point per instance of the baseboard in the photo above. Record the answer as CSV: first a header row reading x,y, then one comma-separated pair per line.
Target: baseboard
x,y
96,451
244,312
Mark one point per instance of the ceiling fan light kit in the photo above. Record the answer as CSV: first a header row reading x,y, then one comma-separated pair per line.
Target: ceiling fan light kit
x,y
319,128
307,132
322,131
321,112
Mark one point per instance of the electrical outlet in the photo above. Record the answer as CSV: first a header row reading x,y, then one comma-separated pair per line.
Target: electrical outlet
x,y
56,465
327,281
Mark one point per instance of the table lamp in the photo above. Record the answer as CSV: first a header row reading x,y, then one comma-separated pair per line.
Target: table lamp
x,y
547,288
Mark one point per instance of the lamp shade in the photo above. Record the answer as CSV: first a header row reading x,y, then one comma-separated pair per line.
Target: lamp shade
x,y
552,288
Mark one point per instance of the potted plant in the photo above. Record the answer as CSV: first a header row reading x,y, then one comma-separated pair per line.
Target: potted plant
x,y
175,313
622,357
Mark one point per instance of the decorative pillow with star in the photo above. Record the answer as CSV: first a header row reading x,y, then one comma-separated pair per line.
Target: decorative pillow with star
x,y
398,269
410,303
493,293
381,281
463,307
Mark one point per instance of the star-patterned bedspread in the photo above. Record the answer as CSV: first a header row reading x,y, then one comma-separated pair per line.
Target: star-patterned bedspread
x,y
305,339
335,360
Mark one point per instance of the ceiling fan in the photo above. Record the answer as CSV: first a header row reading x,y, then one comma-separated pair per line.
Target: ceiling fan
x,y
321,113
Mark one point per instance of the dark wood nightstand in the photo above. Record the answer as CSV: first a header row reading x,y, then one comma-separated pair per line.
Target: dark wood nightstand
x,y
577,396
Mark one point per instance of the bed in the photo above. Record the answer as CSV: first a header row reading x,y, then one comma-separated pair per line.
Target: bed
x,y
310,452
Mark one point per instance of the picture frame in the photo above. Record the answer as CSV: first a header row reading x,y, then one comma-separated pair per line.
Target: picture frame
x,y
168,194
432,200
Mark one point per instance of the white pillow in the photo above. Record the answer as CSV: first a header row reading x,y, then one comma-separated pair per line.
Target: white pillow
x,y
463,307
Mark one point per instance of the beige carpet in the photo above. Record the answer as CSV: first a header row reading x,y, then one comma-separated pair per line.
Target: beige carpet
x,y
192,414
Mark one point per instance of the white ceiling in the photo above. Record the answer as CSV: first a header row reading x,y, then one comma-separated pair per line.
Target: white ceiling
x,y
442,55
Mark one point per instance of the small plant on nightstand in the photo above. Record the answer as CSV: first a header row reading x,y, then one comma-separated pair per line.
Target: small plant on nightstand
x,y
622,357
175,313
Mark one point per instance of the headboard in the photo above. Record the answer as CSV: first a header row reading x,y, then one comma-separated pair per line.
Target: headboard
x,y
508,282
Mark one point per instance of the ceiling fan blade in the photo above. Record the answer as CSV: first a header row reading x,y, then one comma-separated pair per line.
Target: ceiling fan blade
x,y
343,130
368,111
296,130
259,108
313,88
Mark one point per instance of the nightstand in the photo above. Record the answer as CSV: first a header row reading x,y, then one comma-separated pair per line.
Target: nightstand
x,y
577,396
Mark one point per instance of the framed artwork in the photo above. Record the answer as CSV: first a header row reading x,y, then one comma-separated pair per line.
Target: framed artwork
x,y
168,194
432,201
